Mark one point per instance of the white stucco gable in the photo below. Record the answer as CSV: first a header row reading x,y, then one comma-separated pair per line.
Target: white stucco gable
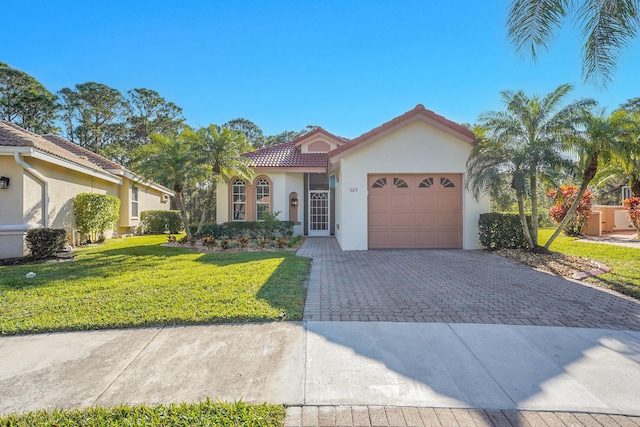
x,y
414,143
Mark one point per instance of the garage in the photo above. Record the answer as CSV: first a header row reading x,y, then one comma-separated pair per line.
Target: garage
x,y
414,211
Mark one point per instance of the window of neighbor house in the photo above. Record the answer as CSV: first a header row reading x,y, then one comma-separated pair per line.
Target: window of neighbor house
x,y
263,199
134,202
239,199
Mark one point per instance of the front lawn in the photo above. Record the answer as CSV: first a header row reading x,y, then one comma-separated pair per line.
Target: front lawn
x,y
624,261
136,282
199,414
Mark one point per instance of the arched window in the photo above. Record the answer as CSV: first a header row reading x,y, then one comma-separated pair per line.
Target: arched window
x,y
263,198
239,200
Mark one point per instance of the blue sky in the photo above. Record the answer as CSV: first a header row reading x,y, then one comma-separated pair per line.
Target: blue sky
x,y
345,65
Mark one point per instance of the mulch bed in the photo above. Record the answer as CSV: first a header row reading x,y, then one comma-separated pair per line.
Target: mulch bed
x,y
61,257
556,262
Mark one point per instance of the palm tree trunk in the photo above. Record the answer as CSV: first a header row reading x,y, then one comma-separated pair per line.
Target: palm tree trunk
x,y
206,208
183,213
534,210
523,219
588,175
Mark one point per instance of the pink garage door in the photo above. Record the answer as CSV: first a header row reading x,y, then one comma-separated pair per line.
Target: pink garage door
x,y
415,211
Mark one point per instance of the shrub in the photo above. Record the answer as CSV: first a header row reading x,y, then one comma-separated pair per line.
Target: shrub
x,y
209,241
251,229
563,198
294,241
269,224
244,242
632,206
281,242
502,231
95,213
46,242
159,222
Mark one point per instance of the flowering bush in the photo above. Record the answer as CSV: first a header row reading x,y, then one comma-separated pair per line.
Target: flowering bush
x,y
563,198
632,206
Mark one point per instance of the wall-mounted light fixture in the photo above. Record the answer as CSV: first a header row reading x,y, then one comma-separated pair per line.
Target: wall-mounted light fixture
x,y
4,182
294,202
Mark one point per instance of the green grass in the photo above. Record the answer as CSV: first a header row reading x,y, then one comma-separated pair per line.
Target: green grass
x,y
199,414
136,282
624,261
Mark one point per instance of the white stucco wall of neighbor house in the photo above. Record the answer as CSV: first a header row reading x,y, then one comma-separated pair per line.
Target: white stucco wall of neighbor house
x,y
415,148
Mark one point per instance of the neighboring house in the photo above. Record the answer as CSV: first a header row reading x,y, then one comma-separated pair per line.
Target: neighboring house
x,y
400,185
46,172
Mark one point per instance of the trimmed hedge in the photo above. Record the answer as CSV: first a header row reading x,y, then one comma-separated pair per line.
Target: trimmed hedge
x,y
159,222
250,229
96,213
46,242
502,231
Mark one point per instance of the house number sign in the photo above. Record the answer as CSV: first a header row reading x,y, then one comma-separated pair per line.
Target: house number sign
x,y
353,189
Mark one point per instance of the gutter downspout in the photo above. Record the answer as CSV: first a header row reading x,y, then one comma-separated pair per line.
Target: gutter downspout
x,y
45,187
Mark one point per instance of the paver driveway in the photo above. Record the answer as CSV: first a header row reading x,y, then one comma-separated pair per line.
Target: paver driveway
x,y
452,286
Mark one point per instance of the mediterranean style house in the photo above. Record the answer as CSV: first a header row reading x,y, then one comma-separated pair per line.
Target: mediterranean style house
x,y
40,176
400,185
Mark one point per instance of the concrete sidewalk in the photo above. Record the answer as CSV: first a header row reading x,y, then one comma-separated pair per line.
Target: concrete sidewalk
x,y
329,363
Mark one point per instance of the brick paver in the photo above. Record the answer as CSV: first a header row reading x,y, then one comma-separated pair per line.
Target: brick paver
x,y
445,417
452,286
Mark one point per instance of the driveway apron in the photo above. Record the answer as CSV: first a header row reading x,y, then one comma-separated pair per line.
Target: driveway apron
x,y
452,286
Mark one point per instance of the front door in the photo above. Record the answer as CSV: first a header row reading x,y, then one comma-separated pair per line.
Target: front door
x,y
318,213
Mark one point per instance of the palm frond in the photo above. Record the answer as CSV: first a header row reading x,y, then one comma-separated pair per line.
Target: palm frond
x,y
531,23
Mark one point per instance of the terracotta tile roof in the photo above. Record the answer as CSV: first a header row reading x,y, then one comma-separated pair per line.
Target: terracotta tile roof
x,y
286,156
340,140
13,135
444,123
83,152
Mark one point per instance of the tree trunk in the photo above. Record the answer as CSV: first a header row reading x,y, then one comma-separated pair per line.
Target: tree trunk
x,y
207,204
523,219
588,175
635,186
534,211
183,213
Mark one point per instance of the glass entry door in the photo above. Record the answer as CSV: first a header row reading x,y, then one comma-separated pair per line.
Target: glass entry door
x,y
318,213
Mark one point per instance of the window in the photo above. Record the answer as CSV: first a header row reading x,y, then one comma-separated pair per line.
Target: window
x,y
400,183
426,183
263,199
446,182
380,183
134,202
239,200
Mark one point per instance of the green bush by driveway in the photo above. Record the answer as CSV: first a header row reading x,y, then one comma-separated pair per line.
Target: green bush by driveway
x,y
136,282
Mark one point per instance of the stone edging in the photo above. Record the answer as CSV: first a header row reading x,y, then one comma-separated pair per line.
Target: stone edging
x,y
602,269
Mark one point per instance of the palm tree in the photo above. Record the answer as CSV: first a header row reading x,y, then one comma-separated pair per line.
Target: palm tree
x,y
221,150
606,26
172,161
601,139
524,141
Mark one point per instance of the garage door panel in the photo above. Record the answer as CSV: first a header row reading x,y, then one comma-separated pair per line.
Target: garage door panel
x,y
426,239
449,201
400,238
425,200
401,201
415,211
379,201
382,219
427,219
447,220
448,239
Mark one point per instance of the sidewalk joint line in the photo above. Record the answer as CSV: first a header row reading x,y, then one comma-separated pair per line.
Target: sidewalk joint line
x,y
129,364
